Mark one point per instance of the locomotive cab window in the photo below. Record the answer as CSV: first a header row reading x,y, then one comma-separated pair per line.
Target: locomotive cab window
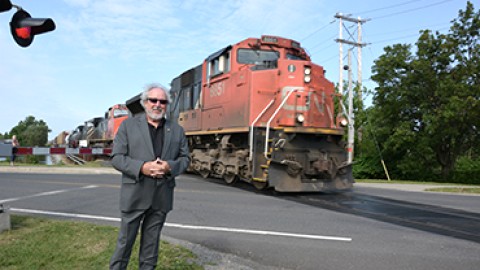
x,y
119,113
219,65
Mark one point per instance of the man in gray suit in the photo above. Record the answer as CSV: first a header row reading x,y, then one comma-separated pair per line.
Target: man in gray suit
x,y
150,151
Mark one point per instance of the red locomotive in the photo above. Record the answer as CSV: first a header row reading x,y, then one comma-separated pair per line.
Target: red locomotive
x,y
262,112
99,131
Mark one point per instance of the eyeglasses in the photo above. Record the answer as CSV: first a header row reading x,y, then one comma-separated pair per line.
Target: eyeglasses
x,y
155,100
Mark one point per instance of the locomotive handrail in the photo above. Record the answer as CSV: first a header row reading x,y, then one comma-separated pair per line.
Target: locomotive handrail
x,y
251,128
267,135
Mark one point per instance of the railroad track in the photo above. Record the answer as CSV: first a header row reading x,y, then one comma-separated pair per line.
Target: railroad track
x,y
75,159
435,219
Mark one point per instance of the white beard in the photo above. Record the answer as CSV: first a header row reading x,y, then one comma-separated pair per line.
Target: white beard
x,y
156,116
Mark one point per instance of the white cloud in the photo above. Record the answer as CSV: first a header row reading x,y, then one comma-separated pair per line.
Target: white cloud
x,y
125,29
78,3
104,51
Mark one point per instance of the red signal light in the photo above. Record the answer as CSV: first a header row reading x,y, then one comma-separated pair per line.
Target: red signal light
x,y
24,32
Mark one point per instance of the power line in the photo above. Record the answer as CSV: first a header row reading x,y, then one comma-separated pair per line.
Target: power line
x,y
316,31
444,26
388,7
331,38
383,8
402,37
322,48
410,10
329,59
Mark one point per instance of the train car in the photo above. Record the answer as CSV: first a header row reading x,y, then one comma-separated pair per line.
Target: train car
x,y
115,115
61,139
261,111
93,133
75,136
99,131
104,132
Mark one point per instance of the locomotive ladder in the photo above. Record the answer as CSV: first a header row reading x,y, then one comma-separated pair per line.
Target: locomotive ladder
x,y
264,168
268,141
267,136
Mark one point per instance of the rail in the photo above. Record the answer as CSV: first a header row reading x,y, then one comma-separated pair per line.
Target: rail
x,y
75,159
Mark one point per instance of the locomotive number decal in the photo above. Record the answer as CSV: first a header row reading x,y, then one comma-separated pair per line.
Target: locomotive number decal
x,y
217,89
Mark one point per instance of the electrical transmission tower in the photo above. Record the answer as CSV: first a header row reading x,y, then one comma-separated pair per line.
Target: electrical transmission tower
x,y
353,43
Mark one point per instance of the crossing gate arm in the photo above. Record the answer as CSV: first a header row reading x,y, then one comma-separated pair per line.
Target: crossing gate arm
x,y
45,151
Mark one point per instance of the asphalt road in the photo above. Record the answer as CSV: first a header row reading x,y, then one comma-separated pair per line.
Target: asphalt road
x,y
368,228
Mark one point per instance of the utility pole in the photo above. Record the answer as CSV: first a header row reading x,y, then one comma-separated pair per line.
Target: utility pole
x,y
359,56
340,63
359,45
351,127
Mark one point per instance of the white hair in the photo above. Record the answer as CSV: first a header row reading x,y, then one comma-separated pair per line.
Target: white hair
x,y
148,88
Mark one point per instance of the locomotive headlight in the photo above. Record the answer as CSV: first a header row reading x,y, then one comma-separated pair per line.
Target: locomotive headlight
x,y
307,78
300,118
342,120
307,71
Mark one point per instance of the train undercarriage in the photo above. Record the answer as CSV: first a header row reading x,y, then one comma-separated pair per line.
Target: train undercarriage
x,y
288,161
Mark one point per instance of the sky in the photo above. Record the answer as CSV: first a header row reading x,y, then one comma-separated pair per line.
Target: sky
x,y
104,52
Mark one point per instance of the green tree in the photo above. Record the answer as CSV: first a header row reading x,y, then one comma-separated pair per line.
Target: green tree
x,y
31,132
427,105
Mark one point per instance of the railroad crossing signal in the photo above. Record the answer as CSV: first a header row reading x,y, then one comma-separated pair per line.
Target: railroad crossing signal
x,y
23,27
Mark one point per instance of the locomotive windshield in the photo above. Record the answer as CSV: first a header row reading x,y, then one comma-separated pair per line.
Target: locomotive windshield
x,y
256,57
295,57
120,113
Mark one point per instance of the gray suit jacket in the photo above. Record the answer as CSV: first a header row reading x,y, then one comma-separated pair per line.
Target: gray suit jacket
x,y
132,147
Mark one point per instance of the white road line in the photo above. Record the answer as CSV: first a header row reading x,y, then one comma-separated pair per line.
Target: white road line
x,y
193,227
45,194
296,235
50,213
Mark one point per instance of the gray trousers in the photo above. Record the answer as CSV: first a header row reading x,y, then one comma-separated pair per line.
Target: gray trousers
x,y
152,223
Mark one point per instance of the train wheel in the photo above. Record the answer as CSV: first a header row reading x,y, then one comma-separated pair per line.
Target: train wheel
x,y
230,178
259,185
204,173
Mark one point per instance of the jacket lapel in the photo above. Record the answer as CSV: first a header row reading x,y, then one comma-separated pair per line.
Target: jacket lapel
x,y
167,136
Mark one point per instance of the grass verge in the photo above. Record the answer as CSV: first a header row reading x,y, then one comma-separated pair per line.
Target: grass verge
x,y
40,243
468,190
449,187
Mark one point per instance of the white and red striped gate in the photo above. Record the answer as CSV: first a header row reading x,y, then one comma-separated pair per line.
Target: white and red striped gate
x,y
45,151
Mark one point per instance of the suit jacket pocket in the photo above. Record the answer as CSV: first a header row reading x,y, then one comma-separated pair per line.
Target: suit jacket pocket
x,y
171,183
128,180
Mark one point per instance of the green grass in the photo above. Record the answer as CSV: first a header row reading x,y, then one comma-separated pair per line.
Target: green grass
x,y
468,190
89,164
399,182
449,187
39,243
